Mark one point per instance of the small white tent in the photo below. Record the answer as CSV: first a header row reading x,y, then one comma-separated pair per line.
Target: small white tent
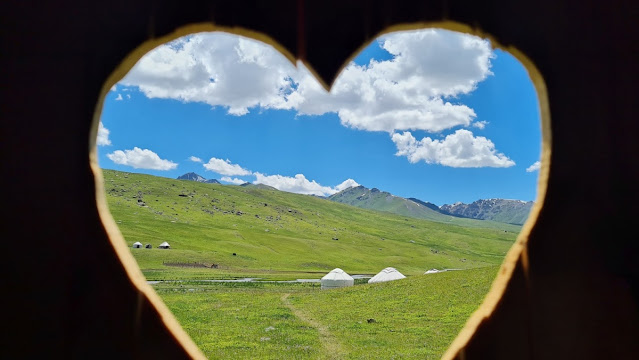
x,y
388,274
164,245
435,271
137,245
337,278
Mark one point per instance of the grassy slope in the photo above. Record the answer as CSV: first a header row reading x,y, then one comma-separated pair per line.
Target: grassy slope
x,y
290,233
383,201
417,317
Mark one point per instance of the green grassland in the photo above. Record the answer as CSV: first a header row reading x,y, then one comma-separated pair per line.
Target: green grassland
x,y
276,234
413,318
273,235
242,320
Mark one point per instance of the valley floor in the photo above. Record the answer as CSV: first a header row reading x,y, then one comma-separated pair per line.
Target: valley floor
x,y
417,317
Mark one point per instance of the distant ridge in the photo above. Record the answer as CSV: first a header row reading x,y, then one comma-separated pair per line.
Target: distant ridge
x,y
258,186
502,210
505,211
376,199
196,177
426,203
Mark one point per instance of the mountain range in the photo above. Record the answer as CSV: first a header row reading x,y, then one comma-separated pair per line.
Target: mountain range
x,y
502,210
499,210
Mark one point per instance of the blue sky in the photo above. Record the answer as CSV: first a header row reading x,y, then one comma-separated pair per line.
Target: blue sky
x,y
434,115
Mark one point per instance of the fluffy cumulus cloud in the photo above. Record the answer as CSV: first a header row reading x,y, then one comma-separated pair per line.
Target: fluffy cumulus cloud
x,y
300,184
231,180
218,69
119,98
410,91
103,135
141,159
195,159
413,90
346,184
460,149
225,167
534,167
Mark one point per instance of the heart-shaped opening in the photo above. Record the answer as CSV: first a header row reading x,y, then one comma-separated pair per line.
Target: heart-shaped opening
x,y
234,178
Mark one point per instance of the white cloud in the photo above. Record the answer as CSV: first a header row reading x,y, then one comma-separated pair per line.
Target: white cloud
x,y
460,149
195,159
408,92
215,68
128,96
114,88
346,184
119,98
103,135
416,89
235,181
413,90
534,167
300,184
141,159
224,167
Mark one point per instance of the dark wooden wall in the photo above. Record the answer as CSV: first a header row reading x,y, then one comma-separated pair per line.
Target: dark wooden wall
x,y
66,293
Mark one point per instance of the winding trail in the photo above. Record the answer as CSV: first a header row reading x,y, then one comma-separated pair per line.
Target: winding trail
x,y
332,346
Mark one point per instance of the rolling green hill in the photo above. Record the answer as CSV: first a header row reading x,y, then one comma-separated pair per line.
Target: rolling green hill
x,y
248,230
375,199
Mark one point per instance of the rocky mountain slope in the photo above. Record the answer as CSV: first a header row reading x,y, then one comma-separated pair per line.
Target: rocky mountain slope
x,y
502,210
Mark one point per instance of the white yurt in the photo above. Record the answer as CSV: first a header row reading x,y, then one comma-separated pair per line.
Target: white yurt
x,y
137,245
337,278
164,245
388,274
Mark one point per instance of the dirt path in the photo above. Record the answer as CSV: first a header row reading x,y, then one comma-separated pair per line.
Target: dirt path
x,y
332,347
